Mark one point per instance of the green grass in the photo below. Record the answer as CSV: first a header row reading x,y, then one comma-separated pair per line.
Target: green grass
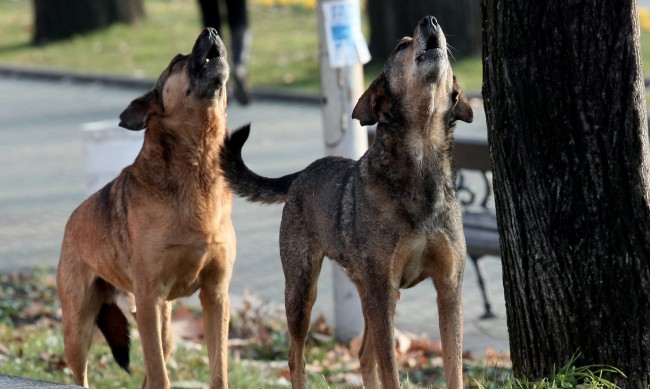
x,y
568,376
285,45
124,50
31,346
280,56
38,354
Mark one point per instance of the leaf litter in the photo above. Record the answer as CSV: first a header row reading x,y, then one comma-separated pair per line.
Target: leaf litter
x,y
258,337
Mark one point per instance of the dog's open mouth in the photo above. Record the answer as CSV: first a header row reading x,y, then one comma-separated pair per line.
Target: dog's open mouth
x,y
208,67
208,54
432,49
433,43
212,54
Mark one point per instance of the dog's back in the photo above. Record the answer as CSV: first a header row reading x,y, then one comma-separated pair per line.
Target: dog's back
x,y
384,193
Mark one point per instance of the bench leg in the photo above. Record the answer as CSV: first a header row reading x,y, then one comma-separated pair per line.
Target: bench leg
x,y
481,283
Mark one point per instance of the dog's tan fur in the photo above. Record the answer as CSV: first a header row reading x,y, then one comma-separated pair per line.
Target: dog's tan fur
x,y
390,219
161,229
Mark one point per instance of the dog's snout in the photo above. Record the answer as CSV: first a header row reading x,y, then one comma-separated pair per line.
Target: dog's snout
x,y
209,32
429,21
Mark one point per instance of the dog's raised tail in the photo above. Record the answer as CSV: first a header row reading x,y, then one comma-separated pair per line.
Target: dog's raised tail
x,y
243,181
115,327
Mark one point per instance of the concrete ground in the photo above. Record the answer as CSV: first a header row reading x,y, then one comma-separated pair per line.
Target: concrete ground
x,y
10,382
42,166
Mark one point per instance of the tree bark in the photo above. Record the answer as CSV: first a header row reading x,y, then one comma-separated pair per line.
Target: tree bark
x,y
390,20
565,105
61,19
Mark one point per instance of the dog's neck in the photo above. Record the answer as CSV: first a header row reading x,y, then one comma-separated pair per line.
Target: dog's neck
x,y
416,163
183,152
421,153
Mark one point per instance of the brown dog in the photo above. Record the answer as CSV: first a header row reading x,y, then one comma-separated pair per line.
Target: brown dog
x,y
160,230
390,219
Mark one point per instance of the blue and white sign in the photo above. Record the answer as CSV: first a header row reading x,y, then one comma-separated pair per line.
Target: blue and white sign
x,y
345,43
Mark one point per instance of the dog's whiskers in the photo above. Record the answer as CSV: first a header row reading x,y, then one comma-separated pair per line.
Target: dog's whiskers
x,y
449,48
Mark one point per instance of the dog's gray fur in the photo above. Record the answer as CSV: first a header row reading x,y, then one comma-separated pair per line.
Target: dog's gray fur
x,y
390,219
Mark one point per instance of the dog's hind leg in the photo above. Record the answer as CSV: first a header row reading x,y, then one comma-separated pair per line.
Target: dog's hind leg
x,y
81,299
446,270
301,265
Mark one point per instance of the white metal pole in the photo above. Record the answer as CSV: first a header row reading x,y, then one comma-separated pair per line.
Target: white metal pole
x,y
341,87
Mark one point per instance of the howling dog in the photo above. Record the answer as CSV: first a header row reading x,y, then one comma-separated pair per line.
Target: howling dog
x,y
158,231
390,219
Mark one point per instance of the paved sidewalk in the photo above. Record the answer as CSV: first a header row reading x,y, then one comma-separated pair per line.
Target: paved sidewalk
x,y
11,382
42,181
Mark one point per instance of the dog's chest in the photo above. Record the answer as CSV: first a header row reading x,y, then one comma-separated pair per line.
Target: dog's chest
x,y
187,265
413,271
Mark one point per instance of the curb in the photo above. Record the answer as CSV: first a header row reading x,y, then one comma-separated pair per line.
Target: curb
x,y
260,93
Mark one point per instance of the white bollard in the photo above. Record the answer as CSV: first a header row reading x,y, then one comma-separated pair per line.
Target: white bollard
x,y
107,150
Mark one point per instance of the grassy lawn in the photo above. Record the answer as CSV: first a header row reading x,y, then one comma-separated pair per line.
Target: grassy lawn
x,y
285,44
280,56
31,346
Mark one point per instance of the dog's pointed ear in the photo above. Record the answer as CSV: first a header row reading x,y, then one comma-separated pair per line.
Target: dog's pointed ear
x,y
135,116
461,110
368,106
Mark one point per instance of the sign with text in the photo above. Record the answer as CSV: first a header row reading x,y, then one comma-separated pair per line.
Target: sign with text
x,y
345,43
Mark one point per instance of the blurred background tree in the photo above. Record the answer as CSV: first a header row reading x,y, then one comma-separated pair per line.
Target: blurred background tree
x,y
60,19
392,19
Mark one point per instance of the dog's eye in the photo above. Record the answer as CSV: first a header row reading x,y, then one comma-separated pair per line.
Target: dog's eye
x,y
402,46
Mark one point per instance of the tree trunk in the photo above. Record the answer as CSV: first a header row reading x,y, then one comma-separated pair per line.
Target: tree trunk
x,y
565,105
61,19
390,20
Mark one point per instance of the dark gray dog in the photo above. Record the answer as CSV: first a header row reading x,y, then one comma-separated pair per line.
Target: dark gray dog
x,y
390,219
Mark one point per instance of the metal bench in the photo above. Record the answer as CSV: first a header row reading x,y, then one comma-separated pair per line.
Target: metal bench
x,y
479,221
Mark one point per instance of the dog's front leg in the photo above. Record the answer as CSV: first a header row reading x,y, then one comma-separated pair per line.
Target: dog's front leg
x,y
166,329
451,332
379,309
149,321
367,359
446,270
216,314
